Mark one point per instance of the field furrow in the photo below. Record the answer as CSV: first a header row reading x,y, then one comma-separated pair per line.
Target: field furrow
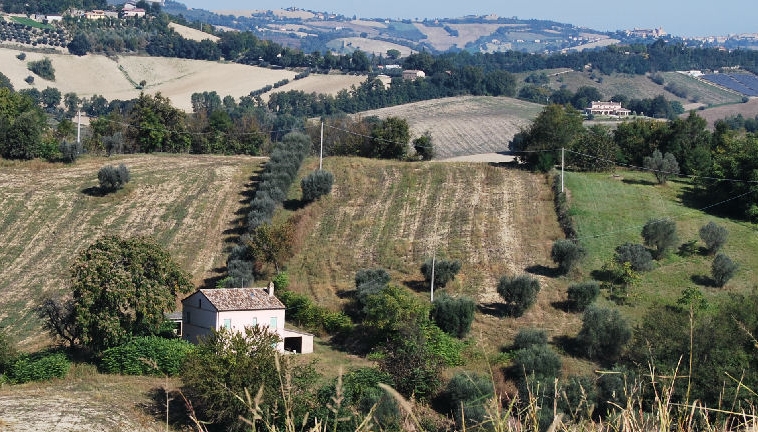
x,y
52,212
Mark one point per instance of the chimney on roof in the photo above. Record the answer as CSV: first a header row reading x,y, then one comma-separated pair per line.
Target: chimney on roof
x,y
271,289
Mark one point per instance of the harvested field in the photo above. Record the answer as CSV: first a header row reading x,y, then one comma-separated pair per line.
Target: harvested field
x,y
440,39
319,83
748,110
395,215
369,46
51,212
191,33
175,78
465,125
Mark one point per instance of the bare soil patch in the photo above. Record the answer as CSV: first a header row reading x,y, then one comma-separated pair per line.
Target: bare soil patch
x,y
465,125
188,203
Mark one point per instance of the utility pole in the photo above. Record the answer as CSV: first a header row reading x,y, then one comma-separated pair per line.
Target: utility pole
x,y
321,153
79,127
434,257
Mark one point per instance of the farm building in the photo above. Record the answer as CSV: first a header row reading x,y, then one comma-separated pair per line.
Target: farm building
x,y
607,108
412,74
236,308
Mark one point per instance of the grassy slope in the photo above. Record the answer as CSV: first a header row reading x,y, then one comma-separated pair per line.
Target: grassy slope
x,y
187,202
612,210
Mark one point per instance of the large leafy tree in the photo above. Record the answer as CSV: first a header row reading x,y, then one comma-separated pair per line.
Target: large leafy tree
x,y
157,126
120,288
226,363
556,127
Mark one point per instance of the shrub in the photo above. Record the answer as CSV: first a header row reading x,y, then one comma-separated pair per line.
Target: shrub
x,y
722,269
664,167
519,293
43,68
528,337
39,367
444,271
613,389
567,254
578,397
453,315
424,146
604,333
150,355
714,236
21,56
112,178
29,79
466,395
660,234
240,274
70,151
636,255
370,281
583,294
316,184
8,351
539,361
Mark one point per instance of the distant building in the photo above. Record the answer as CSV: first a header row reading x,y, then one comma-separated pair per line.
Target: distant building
x,y
607,108
412,74
647,33
136,12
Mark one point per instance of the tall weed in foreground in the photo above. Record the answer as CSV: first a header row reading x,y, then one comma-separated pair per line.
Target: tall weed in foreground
x,y
537,410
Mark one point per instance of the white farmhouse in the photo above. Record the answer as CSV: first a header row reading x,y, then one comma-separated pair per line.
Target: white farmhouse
x,y
235,308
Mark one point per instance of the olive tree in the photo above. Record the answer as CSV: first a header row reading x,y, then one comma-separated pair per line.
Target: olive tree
x,y
604,334
714,236
663,166
567,254
722,269
519,293
660,234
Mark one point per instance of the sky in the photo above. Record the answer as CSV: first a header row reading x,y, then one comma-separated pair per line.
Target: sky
x,y
677,17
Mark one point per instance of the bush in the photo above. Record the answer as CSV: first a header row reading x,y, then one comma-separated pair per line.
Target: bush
x,y
29,79
39,367
714,236
578,397
567,254
528,337
43,68
370,281
70,151
613,390
583,294
539,361
453,315
660,234
444,271
604,333
664,167
316,185
239,274
21,56
466,395
112,178
424,146
636,255
519,293
8,352
150,355
722,269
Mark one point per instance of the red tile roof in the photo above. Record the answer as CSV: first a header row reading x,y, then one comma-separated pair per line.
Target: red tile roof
x,y
228,299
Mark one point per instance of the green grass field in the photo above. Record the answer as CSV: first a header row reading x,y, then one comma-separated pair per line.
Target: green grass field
x,y
610,210
31,23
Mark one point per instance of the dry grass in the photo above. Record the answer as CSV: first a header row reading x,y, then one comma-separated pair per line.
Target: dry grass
x,y
465,125
192,34
369,46
748,110
395,215
49,213
319,83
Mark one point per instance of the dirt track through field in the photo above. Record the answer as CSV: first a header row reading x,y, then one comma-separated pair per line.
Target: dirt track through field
x,y
49,214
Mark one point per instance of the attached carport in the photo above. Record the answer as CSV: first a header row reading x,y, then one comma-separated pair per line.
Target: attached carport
x,y
298,342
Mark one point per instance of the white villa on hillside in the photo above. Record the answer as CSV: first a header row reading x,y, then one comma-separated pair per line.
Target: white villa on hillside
x,y
607,108
235,308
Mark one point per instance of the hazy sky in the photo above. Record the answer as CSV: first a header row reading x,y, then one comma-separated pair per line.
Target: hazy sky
x,y
681,18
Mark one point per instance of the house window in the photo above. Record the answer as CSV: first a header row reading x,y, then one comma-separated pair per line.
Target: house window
x,y
255,322
228,324
272,323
